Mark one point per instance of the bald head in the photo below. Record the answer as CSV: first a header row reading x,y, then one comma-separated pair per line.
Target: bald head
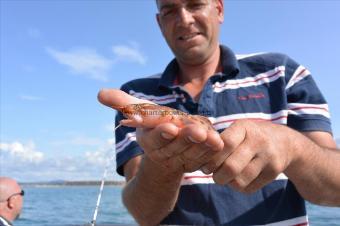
x,y
8,186
11,199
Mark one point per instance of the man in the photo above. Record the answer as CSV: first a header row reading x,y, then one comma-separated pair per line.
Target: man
x,y
11,201
257,171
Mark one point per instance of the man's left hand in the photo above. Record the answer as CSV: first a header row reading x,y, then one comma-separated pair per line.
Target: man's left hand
x,y
254,154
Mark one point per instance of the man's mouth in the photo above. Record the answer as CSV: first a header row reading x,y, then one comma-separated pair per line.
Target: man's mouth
x,y
188,36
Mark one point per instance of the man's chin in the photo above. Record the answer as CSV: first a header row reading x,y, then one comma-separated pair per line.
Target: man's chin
x,y
193,55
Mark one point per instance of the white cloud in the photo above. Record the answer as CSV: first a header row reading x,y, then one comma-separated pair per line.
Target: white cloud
x,y
23,162
84,61
102,155
129,53
23,152
30,98
96,158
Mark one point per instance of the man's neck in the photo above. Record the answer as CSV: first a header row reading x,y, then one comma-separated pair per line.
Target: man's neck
x,y
194,77
200,72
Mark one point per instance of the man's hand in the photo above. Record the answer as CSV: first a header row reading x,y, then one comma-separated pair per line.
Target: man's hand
x,y
179,150
175,149
254,154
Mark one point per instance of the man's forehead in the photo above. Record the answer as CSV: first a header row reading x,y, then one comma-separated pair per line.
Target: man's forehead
x,y
174,2
167,2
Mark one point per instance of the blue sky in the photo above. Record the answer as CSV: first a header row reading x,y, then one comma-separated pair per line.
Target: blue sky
x,y
56,56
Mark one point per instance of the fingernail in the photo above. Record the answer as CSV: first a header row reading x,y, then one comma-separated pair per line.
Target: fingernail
x,y
167,136
193,140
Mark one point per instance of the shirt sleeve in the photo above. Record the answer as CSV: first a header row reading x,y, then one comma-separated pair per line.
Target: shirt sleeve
x,y
126,145
307,108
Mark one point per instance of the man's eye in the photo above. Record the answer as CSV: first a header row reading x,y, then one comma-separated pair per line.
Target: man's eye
x,y
167,12
196,6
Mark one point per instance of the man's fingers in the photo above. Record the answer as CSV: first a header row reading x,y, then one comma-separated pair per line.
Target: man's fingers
x,y
232,137
158,137
234,164
262,180
116,98
248,175
194,133
208,149
187,137
214,141
194,147
215,162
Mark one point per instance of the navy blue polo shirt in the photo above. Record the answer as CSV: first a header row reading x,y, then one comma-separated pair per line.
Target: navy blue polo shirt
x,y
262,86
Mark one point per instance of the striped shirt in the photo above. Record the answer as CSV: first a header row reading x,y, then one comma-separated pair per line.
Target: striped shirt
x,y
4,222
263,86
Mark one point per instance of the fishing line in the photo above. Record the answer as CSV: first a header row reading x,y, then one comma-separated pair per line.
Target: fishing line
x,y
93,222
95,214
117,127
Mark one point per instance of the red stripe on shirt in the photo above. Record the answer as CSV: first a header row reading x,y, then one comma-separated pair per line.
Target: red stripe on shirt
x,y
196,177
301,224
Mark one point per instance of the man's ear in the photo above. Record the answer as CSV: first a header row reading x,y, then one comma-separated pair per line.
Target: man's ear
x,y
10,203
158,21
220,10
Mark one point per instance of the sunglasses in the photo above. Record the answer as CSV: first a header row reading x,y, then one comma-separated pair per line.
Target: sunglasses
x,y
22,193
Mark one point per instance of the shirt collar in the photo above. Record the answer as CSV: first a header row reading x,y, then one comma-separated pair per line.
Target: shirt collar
x,y
5,222
229,64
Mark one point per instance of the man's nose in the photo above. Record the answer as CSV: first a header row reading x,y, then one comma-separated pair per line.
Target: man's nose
x,y
185,17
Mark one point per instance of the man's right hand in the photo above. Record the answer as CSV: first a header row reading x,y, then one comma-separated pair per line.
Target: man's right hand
x,y
175,149
179,149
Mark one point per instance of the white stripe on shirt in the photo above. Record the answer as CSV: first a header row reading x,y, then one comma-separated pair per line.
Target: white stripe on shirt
x,y
198,177
257,80
300,73
4,222
308,109
129,137
243,56
156,99
223,122
301,221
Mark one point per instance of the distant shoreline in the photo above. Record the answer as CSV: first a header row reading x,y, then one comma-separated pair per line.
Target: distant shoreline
x,y
71,183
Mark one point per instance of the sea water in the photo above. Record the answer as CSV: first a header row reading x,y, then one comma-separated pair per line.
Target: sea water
x,y
72,205
75,205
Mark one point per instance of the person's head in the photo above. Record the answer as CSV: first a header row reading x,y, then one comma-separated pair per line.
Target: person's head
x,y
191,27
11,198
